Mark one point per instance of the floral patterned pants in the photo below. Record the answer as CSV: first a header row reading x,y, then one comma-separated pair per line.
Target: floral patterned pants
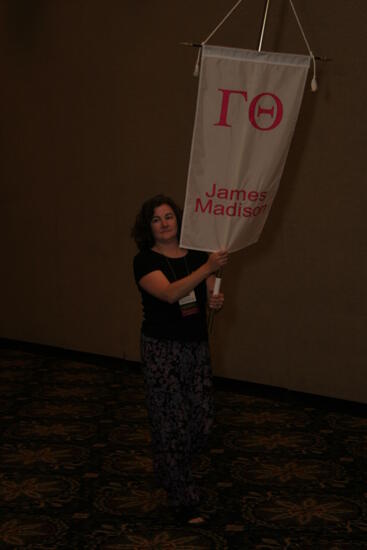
x,y
178,381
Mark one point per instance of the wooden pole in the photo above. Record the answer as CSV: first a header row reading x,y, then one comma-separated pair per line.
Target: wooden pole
x,y
196,45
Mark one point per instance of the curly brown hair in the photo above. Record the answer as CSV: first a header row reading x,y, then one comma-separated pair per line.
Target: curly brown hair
x,y
141,231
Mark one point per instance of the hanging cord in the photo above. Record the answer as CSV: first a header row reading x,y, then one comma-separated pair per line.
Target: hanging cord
x,y
197,66
314,86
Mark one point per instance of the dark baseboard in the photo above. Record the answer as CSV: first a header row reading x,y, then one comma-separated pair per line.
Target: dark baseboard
x,y
222,384
62,353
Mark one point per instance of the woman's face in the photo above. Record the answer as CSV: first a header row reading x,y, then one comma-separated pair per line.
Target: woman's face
x,y
164,224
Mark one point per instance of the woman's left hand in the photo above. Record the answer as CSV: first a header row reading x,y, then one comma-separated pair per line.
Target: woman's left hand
x,y
216,302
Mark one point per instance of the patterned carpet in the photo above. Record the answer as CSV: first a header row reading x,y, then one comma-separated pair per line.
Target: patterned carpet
x,y
282,471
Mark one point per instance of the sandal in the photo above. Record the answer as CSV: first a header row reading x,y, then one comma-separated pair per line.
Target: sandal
x,y
189,515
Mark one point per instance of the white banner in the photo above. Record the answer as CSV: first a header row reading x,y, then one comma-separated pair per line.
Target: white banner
x,y
247,107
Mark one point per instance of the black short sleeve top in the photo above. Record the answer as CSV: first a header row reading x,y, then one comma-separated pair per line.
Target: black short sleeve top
x,y
164,320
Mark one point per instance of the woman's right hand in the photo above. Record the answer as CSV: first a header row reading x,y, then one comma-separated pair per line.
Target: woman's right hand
x,y
217,260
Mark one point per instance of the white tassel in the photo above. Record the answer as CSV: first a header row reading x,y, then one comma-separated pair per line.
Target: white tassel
x,y
314,86
197,65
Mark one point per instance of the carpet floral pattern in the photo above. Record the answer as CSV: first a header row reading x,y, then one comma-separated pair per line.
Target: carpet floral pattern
x,y
76,468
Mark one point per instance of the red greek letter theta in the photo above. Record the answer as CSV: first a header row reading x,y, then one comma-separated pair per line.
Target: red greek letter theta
x,y
253,115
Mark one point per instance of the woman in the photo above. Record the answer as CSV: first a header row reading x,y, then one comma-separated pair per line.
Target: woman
x,y
175,286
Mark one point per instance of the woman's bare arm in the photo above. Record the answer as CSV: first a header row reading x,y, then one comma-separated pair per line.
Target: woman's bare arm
x,y
157,284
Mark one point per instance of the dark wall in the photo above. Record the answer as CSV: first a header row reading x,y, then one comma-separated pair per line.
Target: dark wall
x,y
97,108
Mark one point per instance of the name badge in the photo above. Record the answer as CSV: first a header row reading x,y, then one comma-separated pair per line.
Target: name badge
x,y
188,304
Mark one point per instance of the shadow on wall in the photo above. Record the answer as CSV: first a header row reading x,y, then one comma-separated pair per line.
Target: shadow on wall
x,y
24,20
235,276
